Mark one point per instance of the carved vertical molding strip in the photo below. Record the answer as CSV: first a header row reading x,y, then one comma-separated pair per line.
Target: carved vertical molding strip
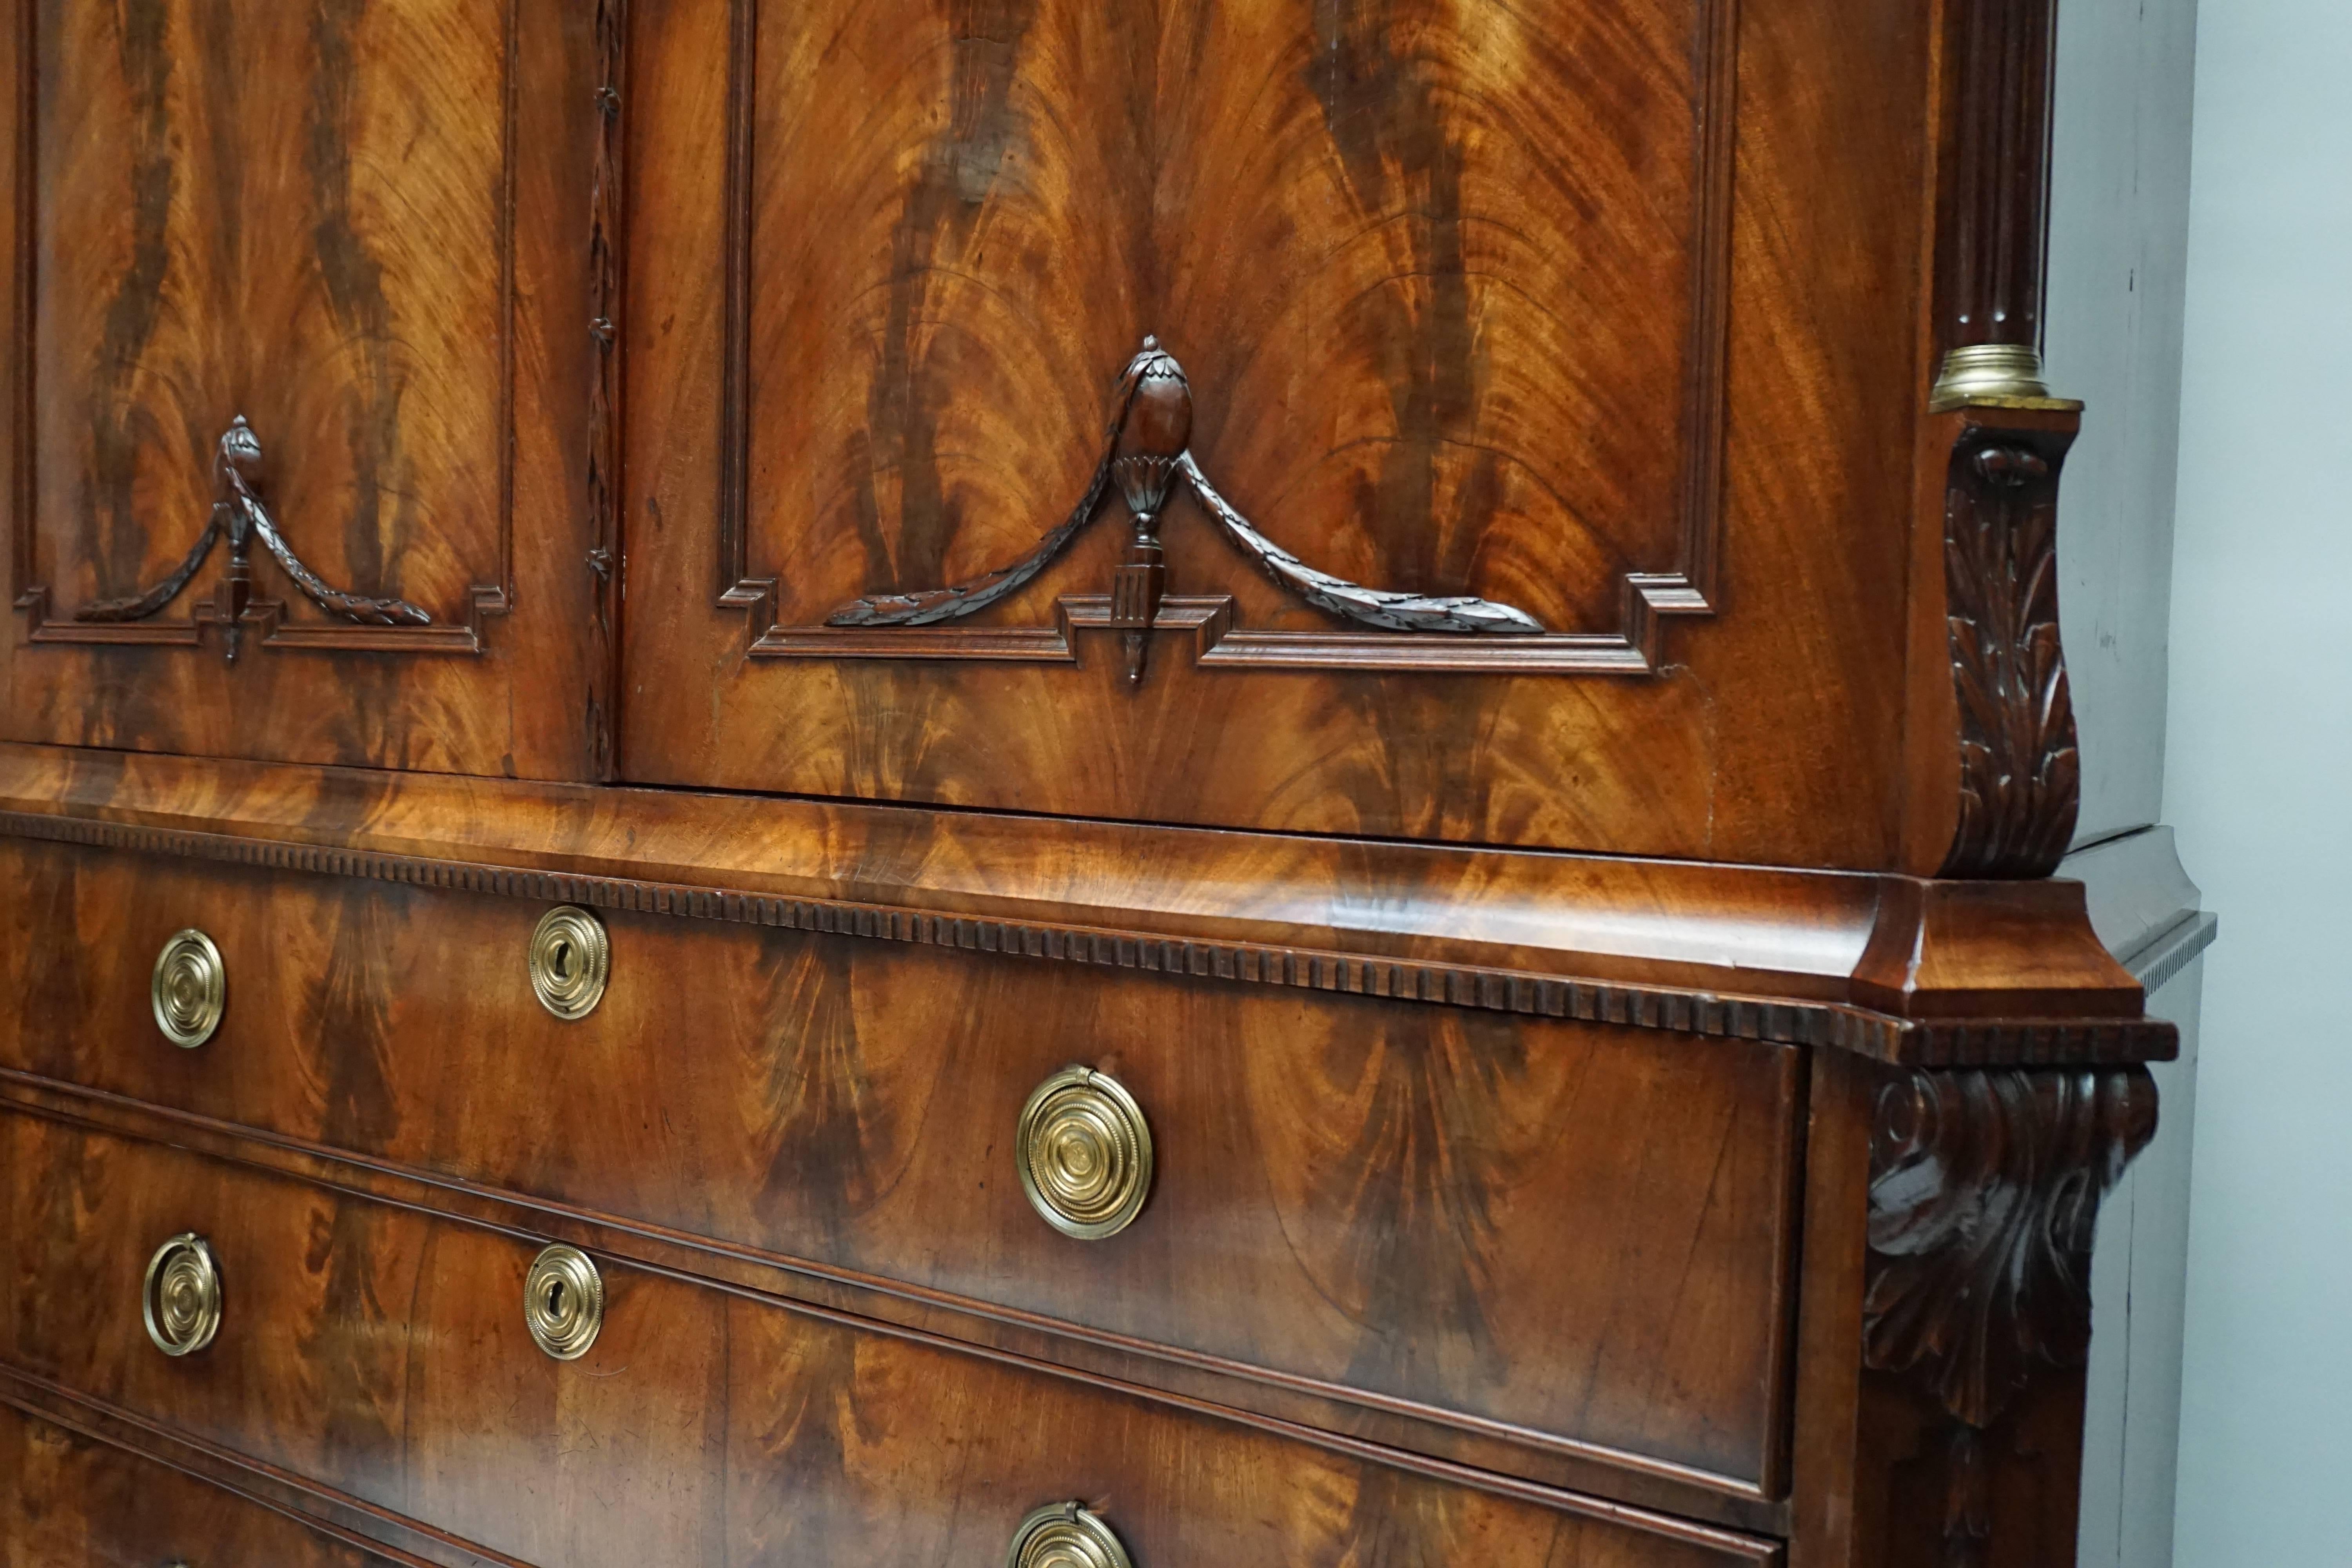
x,y
606,244
2020,770
1984,1196
1994,198
25,192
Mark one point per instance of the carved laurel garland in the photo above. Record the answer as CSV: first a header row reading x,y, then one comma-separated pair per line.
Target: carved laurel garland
x,y
1145,449
2021,776
238,511
1984,1196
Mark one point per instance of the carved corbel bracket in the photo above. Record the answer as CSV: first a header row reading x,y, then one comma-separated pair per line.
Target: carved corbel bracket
x,y
1984,1199
2019,783
238,513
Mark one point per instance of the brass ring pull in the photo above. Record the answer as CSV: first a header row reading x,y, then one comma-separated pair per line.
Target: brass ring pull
x,y
189,989
564,1301
181,1298
1066,1535
571,958
1085,1153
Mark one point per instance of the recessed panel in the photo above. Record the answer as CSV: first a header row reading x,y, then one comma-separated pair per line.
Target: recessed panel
x,y
292,432
1437,273
1427,418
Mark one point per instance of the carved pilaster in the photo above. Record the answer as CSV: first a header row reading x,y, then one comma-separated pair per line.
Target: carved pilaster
x,y
606,248
2019,772
1992,218
1984,1196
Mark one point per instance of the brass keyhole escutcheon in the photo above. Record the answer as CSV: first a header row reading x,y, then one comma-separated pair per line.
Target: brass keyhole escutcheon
x,y
571,958
181,1298
1085,1152
189,989
564,1301
1066,1535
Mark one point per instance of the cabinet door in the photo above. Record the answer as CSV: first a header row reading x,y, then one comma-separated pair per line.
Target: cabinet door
x,y
302,376
1403,416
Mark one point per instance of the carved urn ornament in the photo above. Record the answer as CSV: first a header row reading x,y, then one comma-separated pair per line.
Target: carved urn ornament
x,y
1146,449
238,511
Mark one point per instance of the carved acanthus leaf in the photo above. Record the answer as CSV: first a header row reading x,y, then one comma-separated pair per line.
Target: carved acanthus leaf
x,y
2021,776
1984,1194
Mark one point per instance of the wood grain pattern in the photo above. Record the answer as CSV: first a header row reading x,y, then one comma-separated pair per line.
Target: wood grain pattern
x,y
1976,1194
1471,375
1468,207
67,1501
1575,1235
340,1518
1993,217
1951,974
1985,1193
383,1351
364,227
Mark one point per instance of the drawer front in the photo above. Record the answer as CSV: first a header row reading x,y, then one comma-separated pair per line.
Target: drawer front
x,y
1578,1231
70,1502
383,1351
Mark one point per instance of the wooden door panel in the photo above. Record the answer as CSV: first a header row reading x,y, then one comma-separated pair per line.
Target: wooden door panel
x,y
1485,230
304,368
1449,426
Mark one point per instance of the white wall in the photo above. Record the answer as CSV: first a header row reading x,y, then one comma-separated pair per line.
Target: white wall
x,y
2258,781
2119,244
2118,255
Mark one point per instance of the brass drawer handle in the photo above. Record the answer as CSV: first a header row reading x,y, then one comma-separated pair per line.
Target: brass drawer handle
x,y
571,958
1085,1153
182,1297
189,989
1066,1535
564,1301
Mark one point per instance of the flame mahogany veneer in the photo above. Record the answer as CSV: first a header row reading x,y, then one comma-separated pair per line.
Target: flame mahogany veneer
x,y
1460,596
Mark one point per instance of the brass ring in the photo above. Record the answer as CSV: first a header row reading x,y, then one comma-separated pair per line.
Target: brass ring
x,y
1066,1535
1084,1153
181,1298
189,989
564,1301
571,958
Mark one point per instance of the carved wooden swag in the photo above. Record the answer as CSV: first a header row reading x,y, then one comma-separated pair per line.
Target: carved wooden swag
x,y
238,513
1984,1196
1146,449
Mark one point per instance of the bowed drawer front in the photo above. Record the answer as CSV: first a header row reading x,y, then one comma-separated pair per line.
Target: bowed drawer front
x,y
1573,1240
386,1355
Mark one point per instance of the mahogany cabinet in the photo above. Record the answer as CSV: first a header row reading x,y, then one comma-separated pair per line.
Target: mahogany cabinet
x,y
1270,782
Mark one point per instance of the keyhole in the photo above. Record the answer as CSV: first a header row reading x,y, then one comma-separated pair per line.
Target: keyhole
x,y
555,1298
563,961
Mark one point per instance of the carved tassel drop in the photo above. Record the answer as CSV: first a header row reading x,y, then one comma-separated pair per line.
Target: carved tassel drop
x,y
1154,428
